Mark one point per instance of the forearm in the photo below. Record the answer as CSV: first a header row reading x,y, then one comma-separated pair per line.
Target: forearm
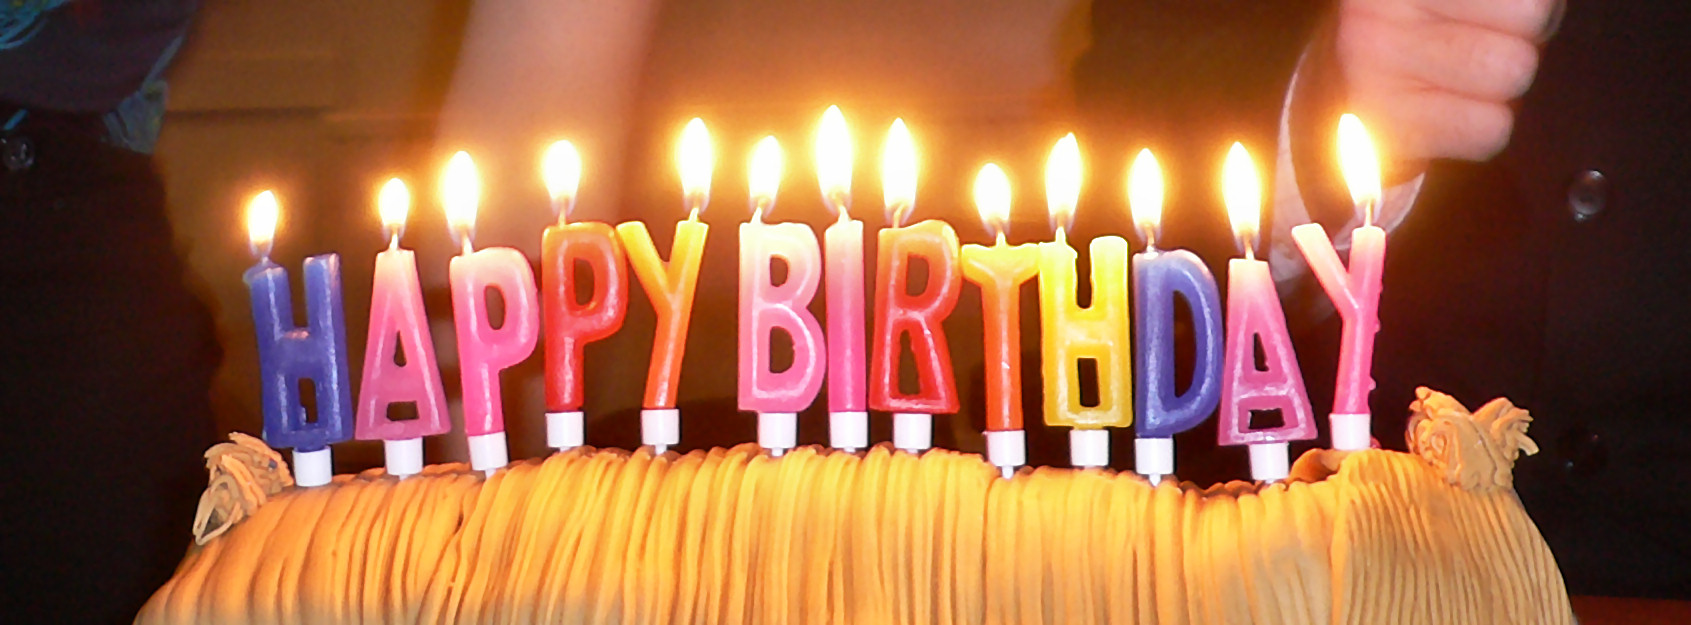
x,y
532,72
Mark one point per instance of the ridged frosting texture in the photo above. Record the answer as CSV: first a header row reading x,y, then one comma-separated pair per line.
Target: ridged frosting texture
x,y
734,536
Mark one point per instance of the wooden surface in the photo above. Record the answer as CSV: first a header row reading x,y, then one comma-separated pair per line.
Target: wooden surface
x,y
1618,610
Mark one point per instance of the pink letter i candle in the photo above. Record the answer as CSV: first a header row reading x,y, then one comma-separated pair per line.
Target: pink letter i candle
x,y
1355,292
569,324
399,330
766,307
483,350
848,396
289,355
1254,314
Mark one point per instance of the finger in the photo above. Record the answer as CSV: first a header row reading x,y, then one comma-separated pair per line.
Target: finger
x,y
1528,19
1469,61
1424,125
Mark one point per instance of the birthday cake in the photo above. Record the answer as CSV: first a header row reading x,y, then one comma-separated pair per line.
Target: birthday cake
x,y
1435,535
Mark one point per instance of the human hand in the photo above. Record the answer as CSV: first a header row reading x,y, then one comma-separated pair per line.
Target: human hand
x,y
1435,78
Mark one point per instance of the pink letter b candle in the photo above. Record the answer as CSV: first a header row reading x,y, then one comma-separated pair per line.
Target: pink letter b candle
x,y
766,307
399,327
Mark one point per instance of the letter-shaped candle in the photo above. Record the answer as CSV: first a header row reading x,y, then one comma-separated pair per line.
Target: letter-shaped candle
x,y
848,395
1355,292
483,350
1254,315
570,324
1158,276
916,318
999,271
1098,333
670,286
288,354
765,307
399,328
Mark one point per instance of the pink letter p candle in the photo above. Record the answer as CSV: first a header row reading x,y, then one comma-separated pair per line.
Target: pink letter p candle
x,y
484,350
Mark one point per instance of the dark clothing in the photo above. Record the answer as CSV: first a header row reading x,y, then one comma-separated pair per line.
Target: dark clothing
x,y
106,360
1556,274
87,56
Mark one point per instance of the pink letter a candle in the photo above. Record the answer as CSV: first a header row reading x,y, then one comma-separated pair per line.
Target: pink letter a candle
x,y
399,327
1254,314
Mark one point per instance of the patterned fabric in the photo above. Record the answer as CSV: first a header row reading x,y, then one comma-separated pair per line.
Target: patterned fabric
x,y
93,56
21,19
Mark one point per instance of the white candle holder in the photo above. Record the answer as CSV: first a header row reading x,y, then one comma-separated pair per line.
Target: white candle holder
x,y
313,468
912,432
777,432
565,430
848,431
488,452
660,428
1270,462
404,457
1007,450
1089,448
1352,432
1153,458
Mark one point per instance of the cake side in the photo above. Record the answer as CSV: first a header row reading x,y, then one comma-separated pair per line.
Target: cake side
x,y
733,536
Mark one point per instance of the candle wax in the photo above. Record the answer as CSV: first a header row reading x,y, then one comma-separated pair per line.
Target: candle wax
x,y
999,271
569,325
1158,276
669,286
1099,332
288,354
1254,313
766,307
918,317
399,325
484,351
1356,296
847,388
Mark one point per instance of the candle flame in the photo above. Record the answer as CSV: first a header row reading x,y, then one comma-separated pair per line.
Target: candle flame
x,y
833,160
765,170
1361,165
1243,193
992,199
1062,181
1145,193
392,204
560,168
696,158
460,191
898,172
262,214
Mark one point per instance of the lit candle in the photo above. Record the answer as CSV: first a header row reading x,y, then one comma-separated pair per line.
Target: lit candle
x,y
1070,334
1254,315
848,396
670,286
999,271
289,355
569,325
916,318
766,307
485,350
1158,276
1355,292
399,358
